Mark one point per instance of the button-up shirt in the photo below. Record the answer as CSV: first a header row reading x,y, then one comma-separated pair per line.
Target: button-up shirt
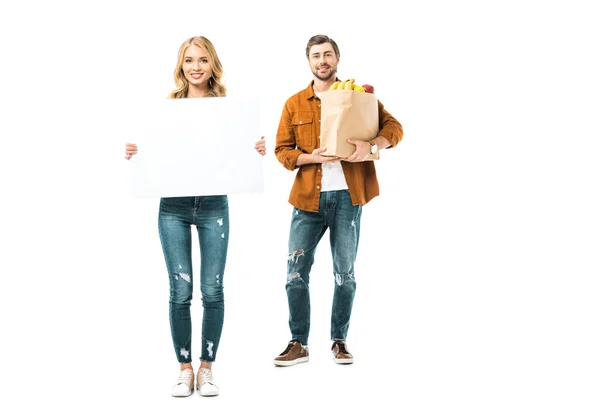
x,y
299,132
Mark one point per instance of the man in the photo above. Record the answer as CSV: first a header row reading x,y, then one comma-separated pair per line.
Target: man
x,y
328,192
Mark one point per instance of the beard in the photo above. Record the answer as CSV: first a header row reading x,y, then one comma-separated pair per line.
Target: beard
x,y
331,73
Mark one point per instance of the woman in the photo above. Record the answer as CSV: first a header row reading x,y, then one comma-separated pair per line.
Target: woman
x,y
198,74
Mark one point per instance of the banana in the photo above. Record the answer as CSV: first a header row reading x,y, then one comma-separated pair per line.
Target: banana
x,y
346,85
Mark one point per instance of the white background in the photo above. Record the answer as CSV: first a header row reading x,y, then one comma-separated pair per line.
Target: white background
x,y
478,265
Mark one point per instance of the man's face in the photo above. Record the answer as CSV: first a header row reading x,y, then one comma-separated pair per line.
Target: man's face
x,y
322,60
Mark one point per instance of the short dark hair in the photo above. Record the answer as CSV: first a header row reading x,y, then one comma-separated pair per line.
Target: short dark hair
x,y
320,39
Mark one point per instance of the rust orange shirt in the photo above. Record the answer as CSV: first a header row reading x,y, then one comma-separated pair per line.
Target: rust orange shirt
x,y
300,131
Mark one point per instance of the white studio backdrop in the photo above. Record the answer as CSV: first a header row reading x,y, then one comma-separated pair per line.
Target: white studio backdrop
x,y
477,271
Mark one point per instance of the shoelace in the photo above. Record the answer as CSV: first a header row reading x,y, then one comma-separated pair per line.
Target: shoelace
x,y
341,347
184,376
287,349
206,376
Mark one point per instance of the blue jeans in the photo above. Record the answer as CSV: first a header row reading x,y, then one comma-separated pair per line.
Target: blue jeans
x,y
210,214
337,213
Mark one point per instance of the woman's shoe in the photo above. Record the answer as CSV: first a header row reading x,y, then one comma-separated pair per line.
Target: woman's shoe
x,y
185,384
204,383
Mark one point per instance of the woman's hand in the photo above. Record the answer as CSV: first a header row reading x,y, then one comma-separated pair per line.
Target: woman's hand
x,y
260,146
130,150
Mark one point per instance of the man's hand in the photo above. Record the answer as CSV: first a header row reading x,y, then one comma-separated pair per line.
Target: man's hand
x,y
319,159
363,149
316,158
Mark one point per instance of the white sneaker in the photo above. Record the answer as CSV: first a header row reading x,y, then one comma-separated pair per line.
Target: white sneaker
x,y
204,383
185,384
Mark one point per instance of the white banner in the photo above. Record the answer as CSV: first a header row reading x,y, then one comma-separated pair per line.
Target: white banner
x,y
197,147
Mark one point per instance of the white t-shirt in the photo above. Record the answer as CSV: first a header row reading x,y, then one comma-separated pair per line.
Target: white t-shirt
x,y
332,174
333,177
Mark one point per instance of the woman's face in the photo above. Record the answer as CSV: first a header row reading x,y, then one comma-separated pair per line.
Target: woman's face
x,y
196,67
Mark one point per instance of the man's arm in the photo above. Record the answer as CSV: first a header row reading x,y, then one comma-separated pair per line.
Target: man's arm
x,y
381,142
390,130
390,133
316,158
285,141
285,146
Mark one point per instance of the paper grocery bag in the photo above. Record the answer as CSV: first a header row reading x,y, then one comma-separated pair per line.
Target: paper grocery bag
x,y
347,114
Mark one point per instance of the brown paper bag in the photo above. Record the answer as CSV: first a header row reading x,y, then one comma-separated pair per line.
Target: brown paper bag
x,y
347,114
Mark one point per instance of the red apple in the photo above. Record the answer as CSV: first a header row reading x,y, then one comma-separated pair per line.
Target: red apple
x,y
368,88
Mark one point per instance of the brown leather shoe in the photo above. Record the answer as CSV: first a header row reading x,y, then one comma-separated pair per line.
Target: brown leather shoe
x,y
341,355
293,354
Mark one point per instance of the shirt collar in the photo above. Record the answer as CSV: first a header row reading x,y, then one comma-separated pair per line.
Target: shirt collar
x,y
309,92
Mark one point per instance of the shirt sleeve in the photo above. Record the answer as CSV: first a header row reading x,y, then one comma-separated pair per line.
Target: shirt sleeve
x,y
285,144
389,127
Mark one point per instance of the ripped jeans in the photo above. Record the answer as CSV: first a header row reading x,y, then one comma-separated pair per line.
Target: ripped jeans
x,y
210,214
337,213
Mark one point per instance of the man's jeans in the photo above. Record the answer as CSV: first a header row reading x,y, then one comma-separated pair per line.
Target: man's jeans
x,y
337,213
210,214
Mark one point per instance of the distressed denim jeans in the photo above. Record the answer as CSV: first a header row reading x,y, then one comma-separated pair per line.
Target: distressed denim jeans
x,y
337,213
210,215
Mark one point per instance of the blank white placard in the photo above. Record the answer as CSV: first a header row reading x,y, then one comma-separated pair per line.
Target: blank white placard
x,y
197,147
